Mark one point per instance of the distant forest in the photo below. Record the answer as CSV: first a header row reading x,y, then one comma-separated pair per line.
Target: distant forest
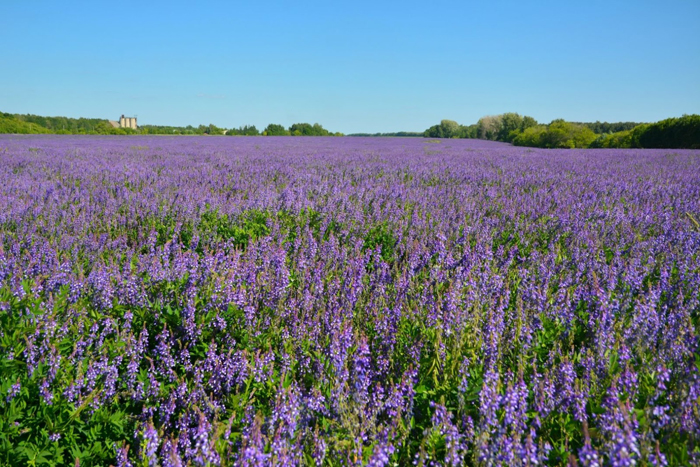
x,y
273,129
31,124
35,124
683,132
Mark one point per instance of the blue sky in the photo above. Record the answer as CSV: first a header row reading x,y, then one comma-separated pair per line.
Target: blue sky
x,y
352,66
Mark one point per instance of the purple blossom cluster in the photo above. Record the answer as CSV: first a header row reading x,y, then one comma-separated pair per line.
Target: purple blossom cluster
x,y
348,301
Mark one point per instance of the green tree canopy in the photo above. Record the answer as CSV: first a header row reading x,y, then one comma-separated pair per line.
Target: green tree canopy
x,y
510,122
274,129
558,134
446,129
306,129
683,132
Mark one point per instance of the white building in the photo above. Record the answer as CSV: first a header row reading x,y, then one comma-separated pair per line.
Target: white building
x,y
124,122
127,122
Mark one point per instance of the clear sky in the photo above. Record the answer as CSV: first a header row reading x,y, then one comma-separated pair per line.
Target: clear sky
x,y
360,66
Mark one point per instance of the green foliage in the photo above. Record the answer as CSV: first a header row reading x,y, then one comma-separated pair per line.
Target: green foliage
x,y
636,134
488,127
558,134
32,124
171,130
433,132
274,129
10,124
528,122
531,137
382,237
213,130
499,127
210,129
601,128
64,125
447,129
562,134
621,139
683,132
510,122
451,128
27,422
306,129
246,130
468,131
248,226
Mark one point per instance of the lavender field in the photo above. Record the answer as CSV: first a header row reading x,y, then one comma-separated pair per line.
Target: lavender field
x,y
346,301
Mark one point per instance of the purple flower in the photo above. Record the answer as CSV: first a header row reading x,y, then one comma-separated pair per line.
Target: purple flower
x,y
442,423
13,391
151,442
203,452
257,301
122,457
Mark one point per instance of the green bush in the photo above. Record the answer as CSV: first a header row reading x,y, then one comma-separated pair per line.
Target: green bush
x,y
10,124
621,139
558,134
683,132
531,137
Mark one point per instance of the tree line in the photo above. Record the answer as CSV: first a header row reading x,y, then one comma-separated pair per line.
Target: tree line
x,y
273,129
682,132
35,124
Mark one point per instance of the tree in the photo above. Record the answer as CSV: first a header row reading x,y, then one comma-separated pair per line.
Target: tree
x,y
434,131
468,131
246,130
488,127
563,134
531,136
620,139
683,132
605,127
446,129
301,129
450,128
528,122
510,122
10,124
318,130
306,129
212,130
249,130
275,130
